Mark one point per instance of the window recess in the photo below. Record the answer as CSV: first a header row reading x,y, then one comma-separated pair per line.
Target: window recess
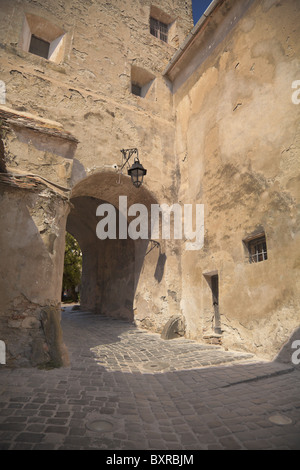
x,y
141,81
162,25
159,29
256,248
42,38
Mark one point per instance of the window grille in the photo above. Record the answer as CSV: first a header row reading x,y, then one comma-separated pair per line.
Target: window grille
x,y
257,250
39,47
159,29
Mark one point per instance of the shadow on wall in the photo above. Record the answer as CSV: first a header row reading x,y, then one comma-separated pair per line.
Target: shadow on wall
x,y
290,352
160,267
2,160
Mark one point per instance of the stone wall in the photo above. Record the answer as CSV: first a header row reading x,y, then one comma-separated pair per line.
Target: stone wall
x,y
89,90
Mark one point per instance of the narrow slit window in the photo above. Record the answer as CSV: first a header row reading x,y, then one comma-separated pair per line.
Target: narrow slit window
x,y
257,250
39,47
159,29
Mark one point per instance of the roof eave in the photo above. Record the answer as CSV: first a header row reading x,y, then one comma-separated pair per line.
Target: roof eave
x,y
197,29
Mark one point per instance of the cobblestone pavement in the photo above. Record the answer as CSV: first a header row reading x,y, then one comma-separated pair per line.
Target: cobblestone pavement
x,y
128,389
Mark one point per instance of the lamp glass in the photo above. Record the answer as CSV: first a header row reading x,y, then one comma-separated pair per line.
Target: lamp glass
x,y
137,172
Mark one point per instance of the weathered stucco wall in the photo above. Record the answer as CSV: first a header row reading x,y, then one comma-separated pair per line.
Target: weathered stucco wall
x,y
30,275
238,151
36,166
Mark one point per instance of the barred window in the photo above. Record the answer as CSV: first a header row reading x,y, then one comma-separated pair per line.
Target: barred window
x,y
159,29
257,249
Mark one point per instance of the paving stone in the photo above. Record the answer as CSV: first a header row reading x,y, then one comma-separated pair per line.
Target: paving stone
x,y
12,427
56,429
229,443
35,428
29,437
180,407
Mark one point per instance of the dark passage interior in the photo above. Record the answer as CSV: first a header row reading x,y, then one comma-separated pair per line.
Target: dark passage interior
x,y
111,267
108,266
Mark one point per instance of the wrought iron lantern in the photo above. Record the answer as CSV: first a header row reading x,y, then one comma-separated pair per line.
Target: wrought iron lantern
x,y
136,171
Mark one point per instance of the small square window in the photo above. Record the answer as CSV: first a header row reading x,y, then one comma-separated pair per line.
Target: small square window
x,y
136,89
159,29
257,249
42,38
39,47
141,81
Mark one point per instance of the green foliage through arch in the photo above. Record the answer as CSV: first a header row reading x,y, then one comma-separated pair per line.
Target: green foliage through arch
x,y
72,269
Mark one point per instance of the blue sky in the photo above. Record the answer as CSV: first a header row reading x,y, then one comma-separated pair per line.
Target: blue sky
x,y
199,7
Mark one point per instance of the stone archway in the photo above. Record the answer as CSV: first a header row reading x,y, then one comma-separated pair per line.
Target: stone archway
x,y
111,267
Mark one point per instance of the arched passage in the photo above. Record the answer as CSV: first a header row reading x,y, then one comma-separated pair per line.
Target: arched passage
x,y
110,267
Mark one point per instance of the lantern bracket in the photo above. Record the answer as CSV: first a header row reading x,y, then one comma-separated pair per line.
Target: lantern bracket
x,y
127,154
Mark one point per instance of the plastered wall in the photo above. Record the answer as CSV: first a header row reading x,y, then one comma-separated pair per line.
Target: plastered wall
x,y
237,141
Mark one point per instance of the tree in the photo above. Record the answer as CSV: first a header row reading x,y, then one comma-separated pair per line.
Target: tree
x,y
72,269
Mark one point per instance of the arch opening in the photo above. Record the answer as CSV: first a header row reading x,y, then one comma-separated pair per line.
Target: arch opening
x,y
111,267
